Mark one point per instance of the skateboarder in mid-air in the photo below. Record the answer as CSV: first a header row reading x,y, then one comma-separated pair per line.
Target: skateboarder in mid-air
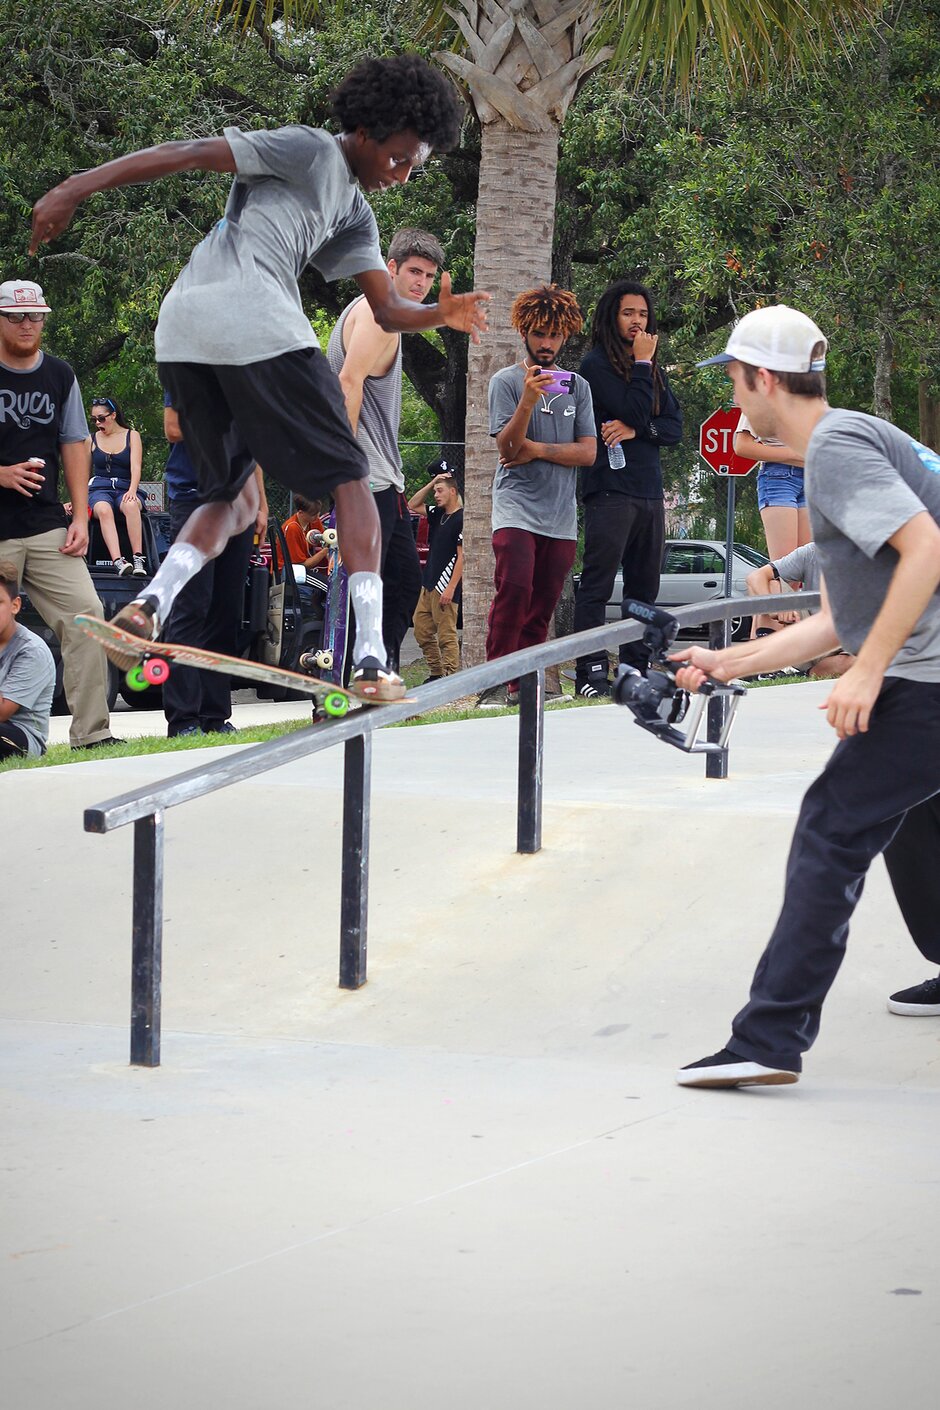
x,y
237,354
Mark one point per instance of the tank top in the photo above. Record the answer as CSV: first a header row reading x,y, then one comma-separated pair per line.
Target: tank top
x,y
379,415
108,466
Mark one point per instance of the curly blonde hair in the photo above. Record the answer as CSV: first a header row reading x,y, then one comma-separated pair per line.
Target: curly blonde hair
x,y
548,307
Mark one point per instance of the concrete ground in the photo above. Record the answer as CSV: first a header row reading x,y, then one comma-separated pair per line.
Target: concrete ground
x,y
472,1184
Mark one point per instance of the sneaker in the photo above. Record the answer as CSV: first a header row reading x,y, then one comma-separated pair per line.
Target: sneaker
x,y
587,691
183,732
140,619
140,567
726,1069
97,743
496,698
922,1001
372,681
122,567
223,727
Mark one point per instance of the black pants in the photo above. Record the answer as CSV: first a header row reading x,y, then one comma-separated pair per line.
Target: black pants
x,y
879,791
619,532
208,613
400,569
14,743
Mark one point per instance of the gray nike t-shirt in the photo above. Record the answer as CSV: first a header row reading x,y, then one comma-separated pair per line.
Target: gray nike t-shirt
x,y
865,479
540,496
294,202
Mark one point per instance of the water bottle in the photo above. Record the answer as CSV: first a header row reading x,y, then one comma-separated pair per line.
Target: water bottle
x,y
615,456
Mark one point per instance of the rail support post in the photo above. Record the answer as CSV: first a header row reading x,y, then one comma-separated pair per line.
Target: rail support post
x,y
354,897
147,941
531,750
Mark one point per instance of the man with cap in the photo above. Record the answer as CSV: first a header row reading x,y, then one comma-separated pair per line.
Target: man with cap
x,y
874,499
42,424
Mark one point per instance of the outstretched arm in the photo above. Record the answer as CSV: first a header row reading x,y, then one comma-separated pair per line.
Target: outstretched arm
x,y
464,312
53,212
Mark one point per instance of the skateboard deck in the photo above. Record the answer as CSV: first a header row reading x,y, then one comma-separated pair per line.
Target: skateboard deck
x,y
155,658
335,646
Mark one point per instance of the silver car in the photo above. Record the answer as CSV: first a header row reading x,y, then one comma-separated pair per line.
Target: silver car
x,y
694,571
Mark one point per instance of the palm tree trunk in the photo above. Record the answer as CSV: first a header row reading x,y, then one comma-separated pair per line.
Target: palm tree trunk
x,y
515,223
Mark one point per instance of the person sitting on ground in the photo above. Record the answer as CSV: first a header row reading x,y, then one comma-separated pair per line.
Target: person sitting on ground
x,y
306,519
27,677
435,617
116,462
794,570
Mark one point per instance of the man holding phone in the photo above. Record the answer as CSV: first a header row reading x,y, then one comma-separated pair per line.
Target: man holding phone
x,y
543,421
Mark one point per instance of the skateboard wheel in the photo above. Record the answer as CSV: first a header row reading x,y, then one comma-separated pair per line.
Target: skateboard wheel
x,y
329,538
135,678
335,704
323,660
156,670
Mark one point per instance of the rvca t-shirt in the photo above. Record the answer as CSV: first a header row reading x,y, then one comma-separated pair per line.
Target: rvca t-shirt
x,y
294,202
865,479
540,496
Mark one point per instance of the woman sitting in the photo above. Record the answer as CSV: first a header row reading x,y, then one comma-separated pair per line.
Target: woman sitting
x,y
116,460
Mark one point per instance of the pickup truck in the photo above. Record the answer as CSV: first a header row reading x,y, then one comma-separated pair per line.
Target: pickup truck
x,y
282,610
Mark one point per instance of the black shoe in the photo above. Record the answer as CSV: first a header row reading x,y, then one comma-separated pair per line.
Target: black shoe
x,y
726,1069
922,1001
496,698
223,727
431,679
593,690
183,732
98,743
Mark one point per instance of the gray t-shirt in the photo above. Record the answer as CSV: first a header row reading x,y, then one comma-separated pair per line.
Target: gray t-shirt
x,y
800,566
540,497
294,202
27,676
379,414
865,479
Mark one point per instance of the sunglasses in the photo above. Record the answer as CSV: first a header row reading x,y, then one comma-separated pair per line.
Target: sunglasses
x,y
18,317
100,420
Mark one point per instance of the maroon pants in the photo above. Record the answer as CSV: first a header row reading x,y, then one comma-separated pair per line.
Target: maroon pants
x,y
530,574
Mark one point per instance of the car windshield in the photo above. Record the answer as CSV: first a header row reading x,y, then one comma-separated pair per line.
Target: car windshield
x,y
751,555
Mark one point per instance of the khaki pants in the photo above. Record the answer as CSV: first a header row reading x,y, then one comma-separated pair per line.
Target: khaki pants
x,y
59,587
435,624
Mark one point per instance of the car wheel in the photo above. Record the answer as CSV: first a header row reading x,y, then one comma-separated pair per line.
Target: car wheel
x,y
740,628
149,699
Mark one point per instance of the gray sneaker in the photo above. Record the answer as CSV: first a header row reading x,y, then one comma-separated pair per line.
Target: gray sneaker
x,y
496,698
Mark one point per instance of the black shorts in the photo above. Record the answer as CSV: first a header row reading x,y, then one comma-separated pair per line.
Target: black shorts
x,y
287,414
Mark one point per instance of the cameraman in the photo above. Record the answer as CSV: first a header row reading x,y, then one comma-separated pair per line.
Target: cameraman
x,y
544,429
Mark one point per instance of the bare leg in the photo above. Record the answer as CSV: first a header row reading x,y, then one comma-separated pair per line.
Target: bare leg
x,y
131,513
210,527
105,516
782,532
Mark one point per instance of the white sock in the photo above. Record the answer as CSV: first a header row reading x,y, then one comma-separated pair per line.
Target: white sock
x,y
181,563
365,594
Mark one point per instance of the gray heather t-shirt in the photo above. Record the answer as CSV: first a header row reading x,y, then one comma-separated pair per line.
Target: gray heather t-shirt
x,y
294,202
27,676
540,496
379,414
800,566
865,479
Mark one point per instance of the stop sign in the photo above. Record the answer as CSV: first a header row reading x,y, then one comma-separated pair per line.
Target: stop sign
x,y
716,443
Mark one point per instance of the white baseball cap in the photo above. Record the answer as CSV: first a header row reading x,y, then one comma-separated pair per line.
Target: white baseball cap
x,y
779,338
23,296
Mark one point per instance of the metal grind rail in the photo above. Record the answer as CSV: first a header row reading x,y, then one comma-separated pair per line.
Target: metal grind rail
x,y
145,807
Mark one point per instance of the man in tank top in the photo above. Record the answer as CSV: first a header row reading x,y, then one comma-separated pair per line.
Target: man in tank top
x,y
368,361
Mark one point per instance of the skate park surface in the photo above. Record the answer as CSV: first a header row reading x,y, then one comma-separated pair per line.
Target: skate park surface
x,y
473,1183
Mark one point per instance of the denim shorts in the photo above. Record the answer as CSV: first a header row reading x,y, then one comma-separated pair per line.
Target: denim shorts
x,y
780,485
100,488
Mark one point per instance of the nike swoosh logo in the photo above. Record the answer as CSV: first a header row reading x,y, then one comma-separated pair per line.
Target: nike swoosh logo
x,y
569,410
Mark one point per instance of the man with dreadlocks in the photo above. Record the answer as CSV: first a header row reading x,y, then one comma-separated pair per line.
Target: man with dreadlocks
x,y
235,350
624,515
543,423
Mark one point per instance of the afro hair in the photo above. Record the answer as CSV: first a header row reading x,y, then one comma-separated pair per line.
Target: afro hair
x,y
550,309
386,96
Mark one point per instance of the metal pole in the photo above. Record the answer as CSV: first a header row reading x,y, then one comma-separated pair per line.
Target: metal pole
x,y
354,896
147,940
719,635
531,749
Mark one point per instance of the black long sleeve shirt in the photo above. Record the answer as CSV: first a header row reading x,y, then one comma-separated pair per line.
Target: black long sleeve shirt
x,y
632,403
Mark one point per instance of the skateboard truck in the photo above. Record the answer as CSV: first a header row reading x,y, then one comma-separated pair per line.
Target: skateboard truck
x,y
657,703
